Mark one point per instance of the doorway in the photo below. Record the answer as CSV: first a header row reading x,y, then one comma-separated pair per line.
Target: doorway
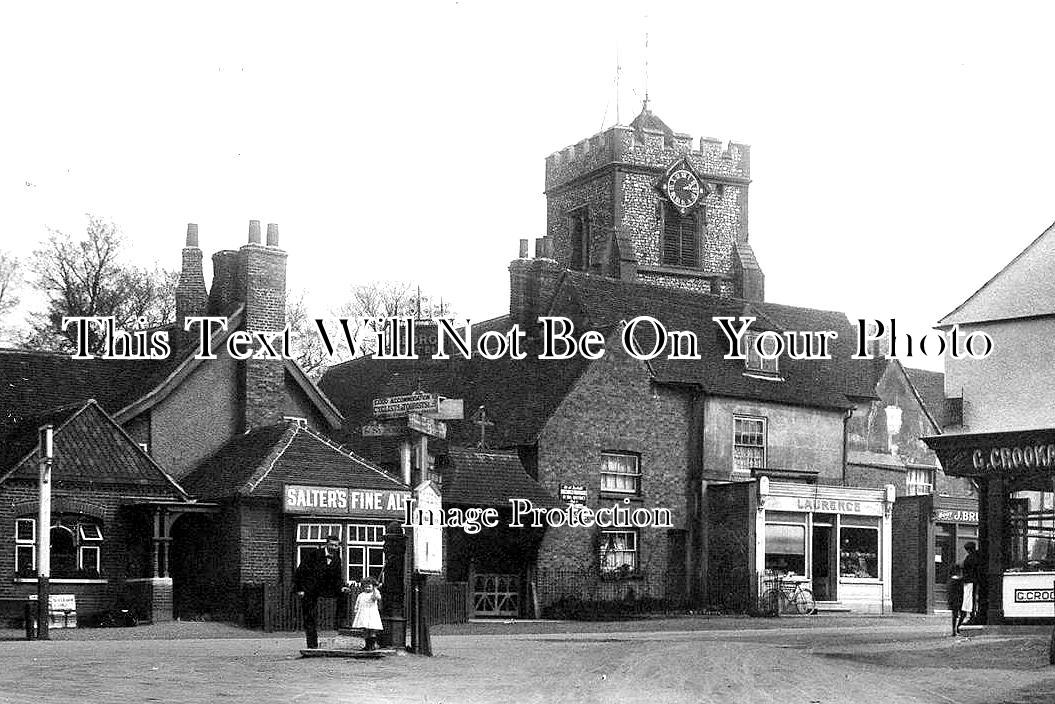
x,y
823,557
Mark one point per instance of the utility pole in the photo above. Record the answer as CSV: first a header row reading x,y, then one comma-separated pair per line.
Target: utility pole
x,y
46,450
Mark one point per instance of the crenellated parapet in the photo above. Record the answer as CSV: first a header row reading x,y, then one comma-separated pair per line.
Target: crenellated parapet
x,y
648,149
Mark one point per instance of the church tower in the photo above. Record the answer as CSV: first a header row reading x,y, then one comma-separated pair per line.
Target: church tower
x,y
640,203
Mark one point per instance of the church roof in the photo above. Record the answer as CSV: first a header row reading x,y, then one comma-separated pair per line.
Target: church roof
x,y
648,120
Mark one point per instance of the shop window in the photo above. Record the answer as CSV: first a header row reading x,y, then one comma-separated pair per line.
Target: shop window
x,y
785,543
63,552
363,546
621,473
749,444
859,547
1031,517
755,362
618,552
919,481
25,547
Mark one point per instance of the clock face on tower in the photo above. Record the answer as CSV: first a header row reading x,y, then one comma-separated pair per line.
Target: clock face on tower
x,y
683,189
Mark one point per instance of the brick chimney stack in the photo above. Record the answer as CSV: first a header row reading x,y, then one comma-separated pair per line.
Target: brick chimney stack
x,y
260,281
191,296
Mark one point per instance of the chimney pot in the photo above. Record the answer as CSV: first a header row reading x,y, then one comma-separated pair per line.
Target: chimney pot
x,y
254,232
192,234
272,234
523,249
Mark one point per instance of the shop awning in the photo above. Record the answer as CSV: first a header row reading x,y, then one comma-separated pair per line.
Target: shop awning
x,y
1017,453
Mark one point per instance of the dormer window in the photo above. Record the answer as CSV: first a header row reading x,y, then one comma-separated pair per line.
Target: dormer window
x,y
756,362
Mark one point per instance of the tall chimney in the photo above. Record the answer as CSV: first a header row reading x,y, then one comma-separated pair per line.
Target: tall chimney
x,y
260,282
191,295
224,274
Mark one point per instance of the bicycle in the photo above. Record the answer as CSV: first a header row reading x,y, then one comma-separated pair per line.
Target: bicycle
x,y
788,594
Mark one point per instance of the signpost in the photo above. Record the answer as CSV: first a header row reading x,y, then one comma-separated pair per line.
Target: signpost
x,y
373,429
573,493
46,451
427,426
399,406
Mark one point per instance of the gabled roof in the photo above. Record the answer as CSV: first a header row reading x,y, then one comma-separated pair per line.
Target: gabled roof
x,y
89,447
489,478
259,462
1021,289
648,120
521,395
31,381
929,388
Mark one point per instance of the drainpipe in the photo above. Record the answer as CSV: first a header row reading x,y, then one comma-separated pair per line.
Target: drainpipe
x,y
846,441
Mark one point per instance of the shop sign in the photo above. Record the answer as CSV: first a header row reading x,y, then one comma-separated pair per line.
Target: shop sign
x,y
573,493
798,503
62,610
399,406
426,425
948,515
1002,454
1029,594
428,537
343,501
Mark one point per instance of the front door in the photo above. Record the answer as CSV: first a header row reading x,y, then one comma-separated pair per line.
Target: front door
x,y
944,560
823,574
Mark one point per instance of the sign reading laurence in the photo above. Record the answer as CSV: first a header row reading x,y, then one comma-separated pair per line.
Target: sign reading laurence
x,y
799,503
343,501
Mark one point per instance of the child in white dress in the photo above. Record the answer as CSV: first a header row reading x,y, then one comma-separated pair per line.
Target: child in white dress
x,y
367,615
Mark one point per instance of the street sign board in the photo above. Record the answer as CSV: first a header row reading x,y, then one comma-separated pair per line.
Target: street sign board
x,y
373,429
426,425
449,409
573,493
428,533
398,406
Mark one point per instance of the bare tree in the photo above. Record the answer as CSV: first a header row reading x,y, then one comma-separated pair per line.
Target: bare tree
x,y
87,277
10,280
367,302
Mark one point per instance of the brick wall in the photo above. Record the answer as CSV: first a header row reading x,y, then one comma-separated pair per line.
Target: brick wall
x,y
614,407
260,529
730,569
910,537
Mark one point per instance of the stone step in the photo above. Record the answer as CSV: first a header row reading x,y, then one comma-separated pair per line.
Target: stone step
x,y
353,653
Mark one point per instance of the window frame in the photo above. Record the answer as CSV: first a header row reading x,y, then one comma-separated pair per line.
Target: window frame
x,y
764,445
635,475
365,537
755,362
853,522
622,567
912,487
22,543
695,218
579,236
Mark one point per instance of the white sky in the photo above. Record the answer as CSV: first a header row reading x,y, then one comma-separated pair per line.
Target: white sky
x,y
899,157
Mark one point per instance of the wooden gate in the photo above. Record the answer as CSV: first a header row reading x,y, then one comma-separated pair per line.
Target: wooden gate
x,y
496,595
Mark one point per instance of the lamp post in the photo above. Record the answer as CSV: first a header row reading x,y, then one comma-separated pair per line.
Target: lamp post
x,y
46,450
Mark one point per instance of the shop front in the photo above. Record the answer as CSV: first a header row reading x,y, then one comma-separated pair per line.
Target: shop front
x,y
930,534
836,538
1015,473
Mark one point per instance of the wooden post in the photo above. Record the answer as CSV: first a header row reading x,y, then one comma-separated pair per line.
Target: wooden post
x,y
404,460
395,634
46,450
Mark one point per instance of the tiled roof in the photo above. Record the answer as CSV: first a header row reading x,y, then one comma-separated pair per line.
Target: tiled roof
x,y
89,447
931,389
259,462
486,478
648,120
521,395
33,382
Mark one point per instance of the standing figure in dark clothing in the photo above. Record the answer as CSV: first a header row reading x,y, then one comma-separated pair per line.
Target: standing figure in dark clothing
x,y
321,574
972,580
955,596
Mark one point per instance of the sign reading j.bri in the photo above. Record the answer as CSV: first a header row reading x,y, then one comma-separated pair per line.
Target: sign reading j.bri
x,y
343,501
948,515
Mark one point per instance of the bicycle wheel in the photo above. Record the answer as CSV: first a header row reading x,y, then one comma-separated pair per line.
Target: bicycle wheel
x,y
804,602
769,603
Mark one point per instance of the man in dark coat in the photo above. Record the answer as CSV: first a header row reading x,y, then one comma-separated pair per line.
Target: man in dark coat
x,y
321,574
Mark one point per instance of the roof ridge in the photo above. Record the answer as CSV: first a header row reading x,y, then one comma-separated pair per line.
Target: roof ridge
x,y
268,463
348,453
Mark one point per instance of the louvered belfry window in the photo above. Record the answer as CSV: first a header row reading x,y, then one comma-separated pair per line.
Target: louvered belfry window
x,y
680,238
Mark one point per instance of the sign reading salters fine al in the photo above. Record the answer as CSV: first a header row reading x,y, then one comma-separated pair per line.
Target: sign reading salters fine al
x,y
343,501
